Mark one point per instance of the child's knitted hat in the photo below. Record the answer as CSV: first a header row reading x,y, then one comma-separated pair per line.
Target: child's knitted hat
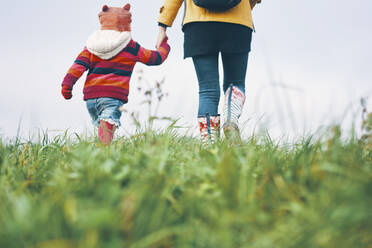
x,y
115,18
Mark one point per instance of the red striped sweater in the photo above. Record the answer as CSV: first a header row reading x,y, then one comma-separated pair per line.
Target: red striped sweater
x,y
110,78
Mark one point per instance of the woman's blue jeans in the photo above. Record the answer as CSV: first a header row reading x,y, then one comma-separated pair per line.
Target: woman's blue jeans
x,y
206,67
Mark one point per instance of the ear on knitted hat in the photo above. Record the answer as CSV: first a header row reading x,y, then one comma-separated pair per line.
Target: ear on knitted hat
x,y
127,7
115,18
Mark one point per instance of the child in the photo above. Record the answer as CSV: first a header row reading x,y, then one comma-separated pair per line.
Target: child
x,y
110,56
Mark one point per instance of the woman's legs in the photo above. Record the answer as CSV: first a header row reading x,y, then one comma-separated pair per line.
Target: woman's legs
x,y
206,68
235,68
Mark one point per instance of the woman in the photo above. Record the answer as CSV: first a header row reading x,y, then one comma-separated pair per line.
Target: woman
x,y
206,34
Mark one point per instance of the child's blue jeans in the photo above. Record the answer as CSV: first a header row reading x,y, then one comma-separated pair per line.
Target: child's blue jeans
x,y
206,67
105,108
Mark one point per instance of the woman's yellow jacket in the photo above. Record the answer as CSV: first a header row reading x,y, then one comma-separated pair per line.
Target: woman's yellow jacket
x,y
240,14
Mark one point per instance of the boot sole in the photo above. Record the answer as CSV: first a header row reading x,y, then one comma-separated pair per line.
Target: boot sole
x,y
231,131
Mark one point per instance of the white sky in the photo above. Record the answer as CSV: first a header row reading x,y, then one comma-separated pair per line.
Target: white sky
x,y
320,51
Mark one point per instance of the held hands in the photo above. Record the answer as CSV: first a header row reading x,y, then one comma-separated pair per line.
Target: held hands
x,y
66,92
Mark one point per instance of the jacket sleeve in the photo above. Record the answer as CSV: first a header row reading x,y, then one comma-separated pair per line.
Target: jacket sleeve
x,y
168,11
151,57
81,64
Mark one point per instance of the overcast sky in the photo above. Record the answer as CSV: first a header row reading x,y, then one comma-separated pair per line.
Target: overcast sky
x,y
310,64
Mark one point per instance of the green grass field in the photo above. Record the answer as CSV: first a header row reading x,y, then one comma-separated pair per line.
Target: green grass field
x,y
165,190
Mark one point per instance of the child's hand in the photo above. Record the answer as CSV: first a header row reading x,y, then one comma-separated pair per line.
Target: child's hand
x,y
66,92
164,42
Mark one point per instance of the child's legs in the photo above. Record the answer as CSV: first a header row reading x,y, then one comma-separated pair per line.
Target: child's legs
x,y
93,111
109,110
235,70
206,67
106,132
105,113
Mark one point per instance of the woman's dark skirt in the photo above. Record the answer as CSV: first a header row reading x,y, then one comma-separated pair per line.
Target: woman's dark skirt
x,y
203,38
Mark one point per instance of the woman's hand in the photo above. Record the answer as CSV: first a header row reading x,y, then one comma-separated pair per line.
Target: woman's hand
x,y
162,34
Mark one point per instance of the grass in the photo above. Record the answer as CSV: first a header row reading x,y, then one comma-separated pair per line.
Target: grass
x,y
164,190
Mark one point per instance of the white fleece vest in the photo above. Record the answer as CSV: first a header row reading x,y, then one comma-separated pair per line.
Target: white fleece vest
x,y
106,44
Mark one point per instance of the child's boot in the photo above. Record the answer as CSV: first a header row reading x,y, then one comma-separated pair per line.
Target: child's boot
x,y
232,109
106,132
209,129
